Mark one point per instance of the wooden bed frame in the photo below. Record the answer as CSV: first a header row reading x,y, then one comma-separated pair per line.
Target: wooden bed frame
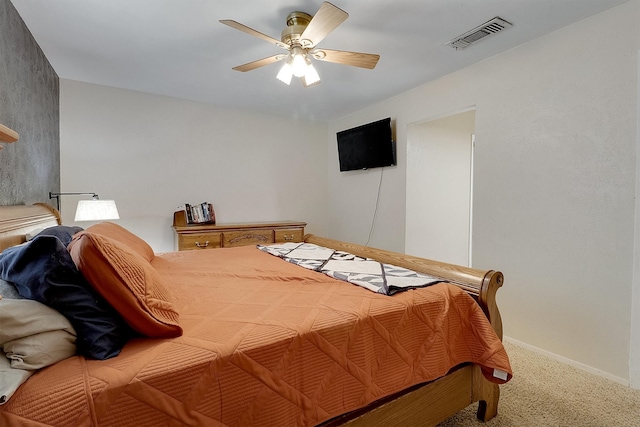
x,y
424,405
434,402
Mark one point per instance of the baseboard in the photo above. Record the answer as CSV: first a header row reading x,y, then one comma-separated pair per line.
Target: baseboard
x,y
569,362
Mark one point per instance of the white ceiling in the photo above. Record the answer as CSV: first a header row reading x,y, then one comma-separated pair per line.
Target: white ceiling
x,y
178,48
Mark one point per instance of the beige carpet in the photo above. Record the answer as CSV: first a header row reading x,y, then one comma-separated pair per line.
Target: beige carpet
x,y
545,392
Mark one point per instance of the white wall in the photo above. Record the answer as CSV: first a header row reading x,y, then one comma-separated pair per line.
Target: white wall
x,y
151,153
554,182
634,362
353,196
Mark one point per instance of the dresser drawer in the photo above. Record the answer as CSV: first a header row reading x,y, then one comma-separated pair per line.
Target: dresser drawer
x,y
289,235
246,237
194,241
238,234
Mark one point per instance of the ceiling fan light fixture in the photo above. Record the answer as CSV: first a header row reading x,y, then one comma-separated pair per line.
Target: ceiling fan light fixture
x,y
298,61
311,76
285,74
300,38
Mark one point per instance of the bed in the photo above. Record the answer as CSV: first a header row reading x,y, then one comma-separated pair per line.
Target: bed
x,y
237,336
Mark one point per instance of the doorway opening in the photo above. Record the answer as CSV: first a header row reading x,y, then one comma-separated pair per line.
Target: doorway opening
x,y
440,188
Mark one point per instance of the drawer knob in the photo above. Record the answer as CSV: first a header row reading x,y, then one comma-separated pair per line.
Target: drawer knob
x,y
202,246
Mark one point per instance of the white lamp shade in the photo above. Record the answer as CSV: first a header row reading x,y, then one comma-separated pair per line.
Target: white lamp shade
x,y
285,73
96,210
298,65
311,76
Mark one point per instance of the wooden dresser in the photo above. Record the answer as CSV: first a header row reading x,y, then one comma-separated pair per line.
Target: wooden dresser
x,y
209,236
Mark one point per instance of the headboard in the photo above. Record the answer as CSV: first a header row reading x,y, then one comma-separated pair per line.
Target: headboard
x,y
16,221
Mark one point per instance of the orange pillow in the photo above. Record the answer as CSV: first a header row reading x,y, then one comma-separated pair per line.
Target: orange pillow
x,y
128,282
124,236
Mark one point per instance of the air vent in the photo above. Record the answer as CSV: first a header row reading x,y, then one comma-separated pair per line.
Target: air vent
x,y
490,27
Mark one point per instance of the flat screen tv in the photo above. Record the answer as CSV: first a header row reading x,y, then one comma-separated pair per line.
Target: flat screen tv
x,y
367,146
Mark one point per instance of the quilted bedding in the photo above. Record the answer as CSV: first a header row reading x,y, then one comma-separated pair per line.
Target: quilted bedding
x,y
376,276
265,342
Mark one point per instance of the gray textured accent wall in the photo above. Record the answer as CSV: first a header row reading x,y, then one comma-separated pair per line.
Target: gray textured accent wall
x,y
29,104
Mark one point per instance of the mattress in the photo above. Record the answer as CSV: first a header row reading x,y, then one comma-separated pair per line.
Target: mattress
x,y
265,343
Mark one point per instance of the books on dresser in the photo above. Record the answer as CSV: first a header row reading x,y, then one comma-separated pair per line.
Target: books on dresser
x,y
201,213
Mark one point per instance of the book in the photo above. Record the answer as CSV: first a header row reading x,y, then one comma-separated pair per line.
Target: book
x,y
212,214
201,213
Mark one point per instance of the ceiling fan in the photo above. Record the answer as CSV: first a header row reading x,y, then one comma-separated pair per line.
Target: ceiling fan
x,y
300,38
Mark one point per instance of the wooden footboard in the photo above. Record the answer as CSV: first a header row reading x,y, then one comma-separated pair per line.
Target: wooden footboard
x,y
480,284
434,402
429,404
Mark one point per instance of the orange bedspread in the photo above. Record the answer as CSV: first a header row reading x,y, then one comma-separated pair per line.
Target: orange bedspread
x,y
265,343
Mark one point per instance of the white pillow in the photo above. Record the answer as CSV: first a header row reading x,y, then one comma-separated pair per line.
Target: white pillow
x,y
8,290
32,234
10,379
32,336
40,350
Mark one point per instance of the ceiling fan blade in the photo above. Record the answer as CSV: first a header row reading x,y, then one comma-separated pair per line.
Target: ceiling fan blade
x,y
259,63
356,59
251,31
326,19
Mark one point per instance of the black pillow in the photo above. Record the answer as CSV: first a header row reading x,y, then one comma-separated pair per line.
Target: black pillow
x,y
42,270
63,232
